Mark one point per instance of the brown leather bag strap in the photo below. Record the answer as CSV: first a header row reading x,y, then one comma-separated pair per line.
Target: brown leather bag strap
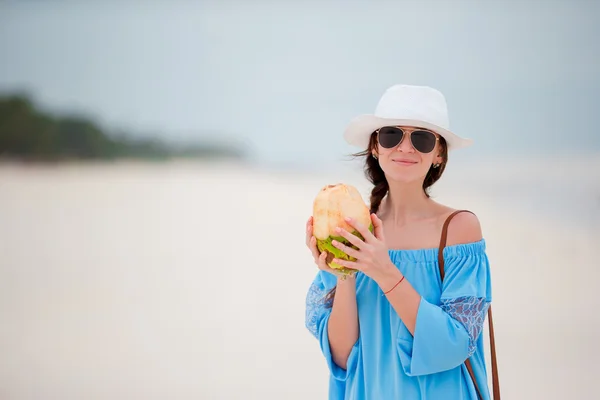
x,y
495,378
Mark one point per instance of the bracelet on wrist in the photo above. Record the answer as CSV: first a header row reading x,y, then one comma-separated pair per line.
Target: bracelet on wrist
x,y
394,287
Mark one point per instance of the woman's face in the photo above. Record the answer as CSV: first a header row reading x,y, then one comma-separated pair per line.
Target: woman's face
x,y
402,162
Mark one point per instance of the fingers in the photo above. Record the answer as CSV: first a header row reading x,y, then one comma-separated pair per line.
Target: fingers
x,y
311,241
309,229
377,226
312,245
346,249
363,230
355,240
322,264
348,264
321,257
322,261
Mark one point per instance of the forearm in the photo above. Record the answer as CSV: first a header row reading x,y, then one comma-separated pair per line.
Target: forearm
x,y
343,322
404,298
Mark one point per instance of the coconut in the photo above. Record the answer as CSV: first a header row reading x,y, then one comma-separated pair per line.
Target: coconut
x,y
332,204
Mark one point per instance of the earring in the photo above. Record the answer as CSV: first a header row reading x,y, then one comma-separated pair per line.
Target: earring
x,y
374,156
436,165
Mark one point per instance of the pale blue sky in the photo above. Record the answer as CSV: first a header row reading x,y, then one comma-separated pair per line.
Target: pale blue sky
x,y
285,77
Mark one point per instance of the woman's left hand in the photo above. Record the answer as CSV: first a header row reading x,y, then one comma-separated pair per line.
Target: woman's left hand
x,y
372,257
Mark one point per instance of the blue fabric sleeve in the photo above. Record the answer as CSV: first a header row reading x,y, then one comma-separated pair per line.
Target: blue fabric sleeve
x,y
446,333
317,319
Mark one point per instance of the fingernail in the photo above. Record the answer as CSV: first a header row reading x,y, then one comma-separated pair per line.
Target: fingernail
x,y
334,242
338,229
348,219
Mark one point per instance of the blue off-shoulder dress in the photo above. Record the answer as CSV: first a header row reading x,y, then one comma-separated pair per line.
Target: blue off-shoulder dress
x,y
387,362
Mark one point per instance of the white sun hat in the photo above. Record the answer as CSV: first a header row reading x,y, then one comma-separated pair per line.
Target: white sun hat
x,y
419,106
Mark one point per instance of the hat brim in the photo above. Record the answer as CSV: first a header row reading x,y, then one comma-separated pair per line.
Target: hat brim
x,y
359,130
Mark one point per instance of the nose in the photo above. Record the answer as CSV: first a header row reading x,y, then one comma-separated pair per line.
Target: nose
x,y
405,145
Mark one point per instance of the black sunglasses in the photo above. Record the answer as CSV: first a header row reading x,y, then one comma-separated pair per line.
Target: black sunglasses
x,y
421,139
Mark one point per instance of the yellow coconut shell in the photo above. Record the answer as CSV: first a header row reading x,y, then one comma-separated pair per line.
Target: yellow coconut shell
x,y
332,204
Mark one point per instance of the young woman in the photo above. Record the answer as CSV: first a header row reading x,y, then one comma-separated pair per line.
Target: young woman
x,y
398,328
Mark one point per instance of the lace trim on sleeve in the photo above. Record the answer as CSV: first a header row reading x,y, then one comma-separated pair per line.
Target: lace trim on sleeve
x,y
315,308
470,312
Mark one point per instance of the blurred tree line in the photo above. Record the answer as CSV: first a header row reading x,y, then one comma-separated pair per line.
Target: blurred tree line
x,y
27,133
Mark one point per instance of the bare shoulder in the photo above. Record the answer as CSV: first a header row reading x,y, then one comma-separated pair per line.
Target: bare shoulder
x,y
464,228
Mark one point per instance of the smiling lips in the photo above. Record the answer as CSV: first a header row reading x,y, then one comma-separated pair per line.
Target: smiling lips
x,y
404,162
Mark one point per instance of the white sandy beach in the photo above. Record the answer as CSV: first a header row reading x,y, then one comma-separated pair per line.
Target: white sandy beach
x,y
187,281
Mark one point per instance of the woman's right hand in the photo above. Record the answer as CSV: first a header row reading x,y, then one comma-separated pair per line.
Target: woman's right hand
x,y
318,256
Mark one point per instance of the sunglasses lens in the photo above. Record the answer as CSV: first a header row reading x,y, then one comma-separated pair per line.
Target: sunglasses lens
x,y
423,141
390,137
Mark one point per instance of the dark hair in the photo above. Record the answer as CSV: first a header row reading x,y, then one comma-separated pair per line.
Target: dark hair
x,y
376,176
